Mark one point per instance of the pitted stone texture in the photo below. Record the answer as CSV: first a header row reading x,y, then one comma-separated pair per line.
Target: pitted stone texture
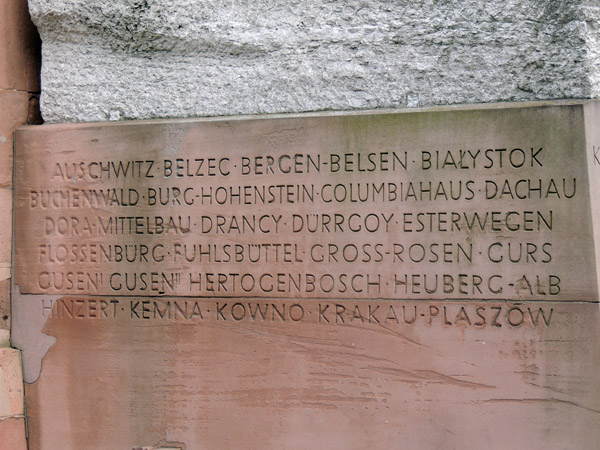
x,y
155,58
591,12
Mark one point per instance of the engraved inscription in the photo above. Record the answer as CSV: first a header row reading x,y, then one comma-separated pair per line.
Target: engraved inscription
x,y
388,314
380,211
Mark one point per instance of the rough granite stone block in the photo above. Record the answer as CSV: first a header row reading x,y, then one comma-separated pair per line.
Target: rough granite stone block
x,y
131,60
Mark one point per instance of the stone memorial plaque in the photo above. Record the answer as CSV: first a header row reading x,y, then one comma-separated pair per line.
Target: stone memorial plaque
x,y
376,280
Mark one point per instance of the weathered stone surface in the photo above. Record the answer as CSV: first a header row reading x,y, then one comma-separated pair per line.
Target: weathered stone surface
x,y
5,305
19,48
11,383
358,206
12,434
13,113
4,337
394,365
144,59
311,384
593,165
5,231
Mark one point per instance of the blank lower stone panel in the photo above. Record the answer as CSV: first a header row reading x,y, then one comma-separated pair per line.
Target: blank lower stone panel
x,y
221,382
417,316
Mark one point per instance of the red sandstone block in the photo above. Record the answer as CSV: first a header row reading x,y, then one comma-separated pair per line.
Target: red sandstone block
x,y
12,434
5,230
11,383
5,304
14,107
19,47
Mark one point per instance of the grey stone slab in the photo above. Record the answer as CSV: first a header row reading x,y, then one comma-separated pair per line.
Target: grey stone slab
x,y
150,59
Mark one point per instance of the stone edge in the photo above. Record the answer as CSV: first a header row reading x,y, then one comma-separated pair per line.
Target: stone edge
x,y
20,57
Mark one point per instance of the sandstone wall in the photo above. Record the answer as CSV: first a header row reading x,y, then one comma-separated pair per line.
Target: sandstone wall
x,y
154,58
19,89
